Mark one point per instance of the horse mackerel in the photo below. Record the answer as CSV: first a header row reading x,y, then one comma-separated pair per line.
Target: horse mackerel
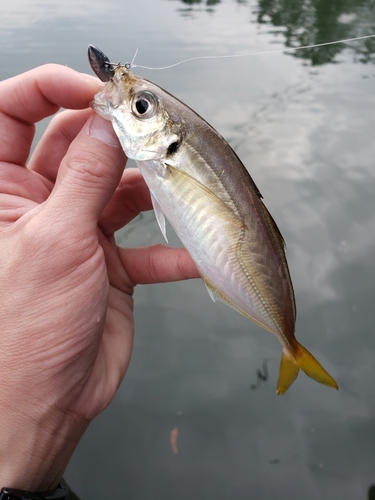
x,y
200,185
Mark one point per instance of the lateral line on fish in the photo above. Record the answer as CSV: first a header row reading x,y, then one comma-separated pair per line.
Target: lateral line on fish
x,y
248,54
263,300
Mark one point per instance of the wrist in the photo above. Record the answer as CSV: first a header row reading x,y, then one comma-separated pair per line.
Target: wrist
x,y
60,493
36,445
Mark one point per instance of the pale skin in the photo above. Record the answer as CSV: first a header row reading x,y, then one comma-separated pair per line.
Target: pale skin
x,y
66,308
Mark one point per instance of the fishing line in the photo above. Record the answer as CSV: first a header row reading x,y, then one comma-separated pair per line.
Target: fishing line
x,y
135,55
285,49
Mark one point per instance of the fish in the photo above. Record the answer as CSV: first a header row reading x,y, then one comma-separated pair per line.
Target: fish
x,y
200,185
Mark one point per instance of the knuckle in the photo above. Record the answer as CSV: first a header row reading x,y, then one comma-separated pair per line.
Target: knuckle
x,y
88,164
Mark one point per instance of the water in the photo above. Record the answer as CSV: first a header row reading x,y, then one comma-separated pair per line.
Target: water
x,y
303,125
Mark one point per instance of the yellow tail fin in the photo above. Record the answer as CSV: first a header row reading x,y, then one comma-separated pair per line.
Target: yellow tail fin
x,y
301,359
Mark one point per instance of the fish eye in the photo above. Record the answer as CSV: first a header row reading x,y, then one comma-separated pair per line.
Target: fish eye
x,y
141,106
144,105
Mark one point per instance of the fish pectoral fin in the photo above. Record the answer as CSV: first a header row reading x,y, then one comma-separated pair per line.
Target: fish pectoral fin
x,y
303,360
160,217
217,205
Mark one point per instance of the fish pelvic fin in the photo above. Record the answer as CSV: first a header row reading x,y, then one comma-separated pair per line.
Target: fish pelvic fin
x,y
301,359
159,216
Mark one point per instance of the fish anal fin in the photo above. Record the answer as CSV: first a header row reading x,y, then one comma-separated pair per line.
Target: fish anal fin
x,y
301,359
213,292
217,294
210,291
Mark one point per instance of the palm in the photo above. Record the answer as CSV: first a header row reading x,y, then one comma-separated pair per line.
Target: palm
x,y
23,190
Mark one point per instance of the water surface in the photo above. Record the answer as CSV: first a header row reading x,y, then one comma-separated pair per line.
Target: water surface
x,y
303,124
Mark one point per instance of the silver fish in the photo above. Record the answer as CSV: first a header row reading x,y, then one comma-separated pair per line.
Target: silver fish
x,y
199,184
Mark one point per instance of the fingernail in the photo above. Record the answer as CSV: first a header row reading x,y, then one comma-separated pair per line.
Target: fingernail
x,y
102,129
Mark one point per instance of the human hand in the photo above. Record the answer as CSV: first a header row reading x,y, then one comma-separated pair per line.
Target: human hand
x,y
66,312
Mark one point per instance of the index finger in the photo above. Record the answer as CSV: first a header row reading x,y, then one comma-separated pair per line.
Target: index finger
x,y
28,98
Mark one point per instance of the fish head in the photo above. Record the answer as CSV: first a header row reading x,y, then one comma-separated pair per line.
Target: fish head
x,y
148,127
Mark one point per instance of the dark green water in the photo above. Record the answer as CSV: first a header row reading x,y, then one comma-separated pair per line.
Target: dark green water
x,y
303,124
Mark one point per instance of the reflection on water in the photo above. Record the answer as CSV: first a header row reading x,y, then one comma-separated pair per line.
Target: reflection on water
x,y
309,22
312,22
193,4
205,2
262,376
306,135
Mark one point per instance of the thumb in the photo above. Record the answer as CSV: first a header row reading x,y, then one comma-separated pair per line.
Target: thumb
x,y
89,173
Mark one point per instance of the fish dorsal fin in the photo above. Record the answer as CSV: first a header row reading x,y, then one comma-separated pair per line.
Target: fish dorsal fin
x,y
160,217
272,224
